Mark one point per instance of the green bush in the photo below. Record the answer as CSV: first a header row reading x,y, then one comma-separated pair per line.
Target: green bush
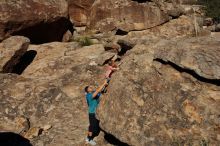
x,y
212,8
84,41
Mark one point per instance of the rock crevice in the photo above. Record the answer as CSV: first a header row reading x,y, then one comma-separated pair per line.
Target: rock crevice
x,y
189,71
45,32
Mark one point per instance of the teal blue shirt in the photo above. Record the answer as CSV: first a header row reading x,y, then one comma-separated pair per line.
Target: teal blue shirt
x,y
92,102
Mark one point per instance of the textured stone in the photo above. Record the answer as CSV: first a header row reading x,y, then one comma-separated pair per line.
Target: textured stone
x,y
46,127
181,27
32,133
113,15
178,1
79,11
23,124
172,9
200,55
190,111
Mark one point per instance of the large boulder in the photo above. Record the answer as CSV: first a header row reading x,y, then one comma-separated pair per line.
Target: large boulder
x,y
11,51
178,1
123,15
169,87
199,55
162,94
40,21
49,94
181,27
112,15
176,8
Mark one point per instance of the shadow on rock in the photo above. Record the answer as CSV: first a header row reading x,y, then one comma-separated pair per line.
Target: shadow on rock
x,y
113,140
25,61
13,139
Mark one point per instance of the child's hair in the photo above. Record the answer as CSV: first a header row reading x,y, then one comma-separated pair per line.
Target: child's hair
x,y
110,62
86,89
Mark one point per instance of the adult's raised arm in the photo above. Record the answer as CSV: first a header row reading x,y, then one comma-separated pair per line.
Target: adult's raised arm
x,y
99,89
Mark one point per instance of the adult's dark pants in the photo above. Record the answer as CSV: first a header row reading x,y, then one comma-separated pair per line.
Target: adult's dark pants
x,y
93,124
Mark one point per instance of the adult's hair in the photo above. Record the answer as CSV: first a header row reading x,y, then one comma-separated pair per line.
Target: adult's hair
x,y
86,89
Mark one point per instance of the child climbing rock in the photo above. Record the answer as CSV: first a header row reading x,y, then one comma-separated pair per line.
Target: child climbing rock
x,y
110,68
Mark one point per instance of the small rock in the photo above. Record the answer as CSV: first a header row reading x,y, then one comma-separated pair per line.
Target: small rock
x,y
67,36
92,63
208,22
46,127
95,41
33,132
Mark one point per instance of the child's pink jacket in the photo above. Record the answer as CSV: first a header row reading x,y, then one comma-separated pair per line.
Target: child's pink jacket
x,y
109,71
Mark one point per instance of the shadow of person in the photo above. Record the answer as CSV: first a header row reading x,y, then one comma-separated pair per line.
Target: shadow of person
x,y
13,139
112,139
108,137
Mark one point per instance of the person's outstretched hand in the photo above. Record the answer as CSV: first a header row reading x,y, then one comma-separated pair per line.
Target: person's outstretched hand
x,y
106,83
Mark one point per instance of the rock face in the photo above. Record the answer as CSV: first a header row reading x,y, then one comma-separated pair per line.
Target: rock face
x,y
41,21
50,91
79,11
160,98
123,15
167,85
177,1
199,55
181,27
166,91
11,51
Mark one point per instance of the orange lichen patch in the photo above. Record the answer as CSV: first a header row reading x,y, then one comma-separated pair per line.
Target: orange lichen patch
x,y
191,111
